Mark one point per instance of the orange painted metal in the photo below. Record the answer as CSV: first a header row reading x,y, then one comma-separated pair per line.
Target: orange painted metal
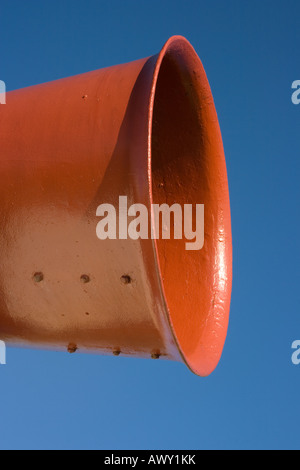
x,y
147,130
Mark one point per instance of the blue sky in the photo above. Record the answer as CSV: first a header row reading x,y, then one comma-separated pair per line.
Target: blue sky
x,y
250,51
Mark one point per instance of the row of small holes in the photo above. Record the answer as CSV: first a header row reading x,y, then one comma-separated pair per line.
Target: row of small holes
x,y
39,277
125,279
72,348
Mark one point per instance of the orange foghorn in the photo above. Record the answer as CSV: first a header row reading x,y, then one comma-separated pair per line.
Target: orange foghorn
x,y
147,131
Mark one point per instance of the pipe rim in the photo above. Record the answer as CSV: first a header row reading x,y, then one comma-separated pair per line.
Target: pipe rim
x,y
207,353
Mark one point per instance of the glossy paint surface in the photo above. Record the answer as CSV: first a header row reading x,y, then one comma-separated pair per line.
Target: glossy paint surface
x,y
70,145
188,167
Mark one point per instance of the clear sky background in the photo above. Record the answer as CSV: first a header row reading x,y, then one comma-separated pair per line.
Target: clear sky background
x,y
250,50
